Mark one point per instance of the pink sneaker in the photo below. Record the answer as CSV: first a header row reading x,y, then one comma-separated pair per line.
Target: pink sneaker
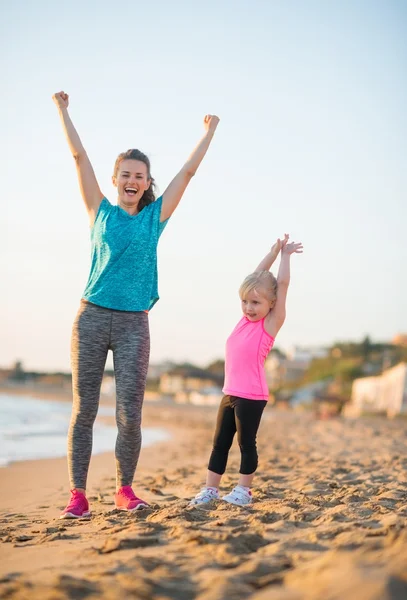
x,y
78,507
126,499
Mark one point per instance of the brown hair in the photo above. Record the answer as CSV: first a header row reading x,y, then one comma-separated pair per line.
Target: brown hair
x,y
149,195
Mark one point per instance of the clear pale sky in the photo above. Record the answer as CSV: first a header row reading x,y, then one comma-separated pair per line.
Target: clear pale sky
x,y
312,98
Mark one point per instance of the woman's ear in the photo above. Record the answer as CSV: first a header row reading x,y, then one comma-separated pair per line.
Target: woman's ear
x,y
114,180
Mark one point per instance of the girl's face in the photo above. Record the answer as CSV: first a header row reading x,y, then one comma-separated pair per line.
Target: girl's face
x,y
255,306
131,182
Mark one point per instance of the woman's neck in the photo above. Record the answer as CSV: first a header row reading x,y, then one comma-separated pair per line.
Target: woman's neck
x,y
130,209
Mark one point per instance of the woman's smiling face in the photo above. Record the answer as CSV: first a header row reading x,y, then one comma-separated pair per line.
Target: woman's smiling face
x,y
132,181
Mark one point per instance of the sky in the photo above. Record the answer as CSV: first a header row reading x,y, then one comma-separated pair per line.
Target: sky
x,y
312,140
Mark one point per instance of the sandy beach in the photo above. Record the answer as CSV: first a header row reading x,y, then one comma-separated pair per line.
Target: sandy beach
x,y
329,518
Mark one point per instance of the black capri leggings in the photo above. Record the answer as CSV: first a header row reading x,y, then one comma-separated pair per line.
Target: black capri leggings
x,y
243,416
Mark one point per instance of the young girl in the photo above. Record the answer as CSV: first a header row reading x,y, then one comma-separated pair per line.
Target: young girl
x,y
113,315
263,299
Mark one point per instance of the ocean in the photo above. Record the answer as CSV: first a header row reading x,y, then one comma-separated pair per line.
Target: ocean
x,y
33,429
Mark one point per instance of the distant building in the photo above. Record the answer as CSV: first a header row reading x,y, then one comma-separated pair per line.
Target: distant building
x,y
187,379
5,375
400,340
304,354
206,397
280,370
156,370
386,393
287,369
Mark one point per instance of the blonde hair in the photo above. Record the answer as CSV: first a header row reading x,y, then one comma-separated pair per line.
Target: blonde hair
x,y
262,282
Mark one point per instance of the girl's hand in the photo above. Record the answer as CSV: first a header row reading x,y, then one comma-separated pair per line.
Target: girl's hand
x,y
211,122
285,240
275,249
292,248
61,99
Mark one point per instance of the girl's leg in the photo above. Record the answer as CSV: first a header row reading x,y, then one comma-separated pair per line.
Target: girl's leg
x,y
212,479
223,438
248,414
222,442
131,352
89,347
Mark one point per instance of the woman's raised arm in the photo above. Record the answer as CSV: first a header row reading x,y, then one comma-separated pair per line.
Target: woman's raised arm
x,y
91,194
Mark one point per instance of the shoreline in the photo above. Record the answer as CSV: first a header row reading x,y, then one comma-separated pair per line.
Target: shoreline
x,y
106,420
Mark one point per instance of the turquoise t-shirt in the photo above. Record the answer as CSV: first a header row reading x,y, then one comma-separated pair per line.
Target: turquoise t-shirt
x,y
123,273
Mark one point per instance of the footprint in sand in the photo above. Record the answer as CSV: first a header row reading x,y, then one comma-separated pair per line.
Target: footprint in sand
x,y
128,543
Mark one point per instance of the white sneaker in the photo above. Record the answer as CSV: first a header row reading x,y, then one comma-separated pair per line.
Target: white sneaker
x,y
239,495
205,495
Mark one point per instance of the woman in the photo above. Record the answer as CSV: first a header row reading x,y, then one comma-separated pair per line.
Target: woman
x,y
113,315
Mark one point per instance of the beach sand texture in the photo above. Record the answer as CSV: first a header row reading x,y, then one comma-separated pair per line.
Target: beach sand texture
x,y
329,518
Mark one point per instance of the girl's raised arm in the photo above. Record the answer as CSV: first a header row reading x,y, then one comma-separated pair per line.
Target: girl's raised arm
x,y
276,317
88,184
178,185
268,260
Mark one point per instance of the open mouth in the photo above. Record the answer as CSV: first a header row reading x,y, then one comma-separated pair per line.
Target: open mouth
x,y
131,191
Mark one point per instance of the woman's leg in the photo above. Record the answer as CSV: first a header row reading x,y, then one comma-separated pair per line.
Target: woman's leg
x,y
131,353
89,347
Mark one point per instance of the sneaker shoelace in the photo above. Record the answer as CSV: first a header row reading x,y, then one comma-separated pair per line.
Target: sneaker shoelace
x,y
206,493
127,492
240,494
76,497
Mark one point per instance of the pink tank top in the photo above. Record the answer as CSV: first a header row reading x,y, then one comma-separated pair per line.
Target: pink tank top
x,y
247,348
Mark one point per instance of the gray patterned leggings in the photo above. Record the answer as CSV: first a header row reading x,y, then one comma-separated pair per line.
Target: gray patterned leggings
x,y
95,331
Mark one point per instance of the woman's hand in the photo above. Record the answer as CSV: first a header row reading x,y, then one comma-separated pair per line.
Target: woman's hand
x,y
211,122
61,100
